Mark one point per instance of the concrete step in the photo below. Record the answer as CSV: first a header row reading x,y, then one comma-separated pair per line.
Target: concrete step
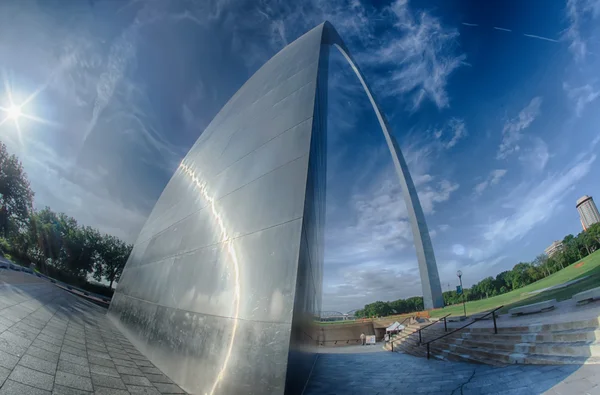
x,y
555,327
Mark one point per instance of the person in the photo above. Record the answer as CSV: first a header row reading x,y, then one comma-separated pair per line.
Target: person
x,y
362,338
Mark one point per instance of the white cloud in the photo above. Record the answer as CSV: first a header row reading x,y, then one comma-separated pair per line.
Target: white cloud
x,y
493,178
459,131
536,156
513,128
577,12
422,56
458,249
582,95
532,205
417,52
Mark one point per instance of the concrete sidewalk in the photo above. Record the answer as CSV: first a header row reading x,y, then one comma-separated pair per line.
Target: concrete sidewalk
x,y
52,342
354,372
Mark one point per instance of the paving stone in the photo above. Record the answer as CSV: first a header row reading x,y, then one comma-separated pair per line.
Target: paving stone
x,y
38,364
74,351
64,356
73,344
7,360
101,361
22,333
119,355
169,388
98,354
46,346
143,363
42,354
158,378
128,370
50,339
99,369
136,380
73,381
135,390
15,388
4,373
74,368
32,378
150,370
11,348
123,362
110,391
60,390
101,380
17,336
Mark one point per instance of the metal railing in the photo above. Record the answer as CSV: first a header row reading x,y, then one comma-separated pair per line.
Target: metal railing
x,y
346,341
493,313
419,330
433,323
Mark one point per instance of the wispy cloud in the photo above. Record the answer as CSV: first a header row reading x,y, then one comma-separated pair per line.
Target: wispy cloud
x,y
493,178
582,95
513,128
470,24
503,29
455,128
423,56
459,131
577,12
535,204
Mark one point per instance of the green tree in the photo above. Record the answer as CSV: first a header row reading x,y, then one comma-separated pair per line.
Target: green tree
x,y
112,257
16,196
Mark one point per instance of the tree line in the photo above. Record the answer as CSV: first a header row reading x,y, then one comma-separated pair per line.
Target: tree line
x,y
574,249
54,242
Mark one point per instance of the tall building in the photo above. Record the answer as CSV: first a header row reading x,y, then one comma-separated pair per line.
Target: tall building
x,y
554,248
588,212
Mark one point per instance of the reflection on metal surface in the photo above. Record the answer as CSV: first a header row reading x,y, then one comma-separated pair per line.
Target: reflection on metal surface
x,y
224,281
230,248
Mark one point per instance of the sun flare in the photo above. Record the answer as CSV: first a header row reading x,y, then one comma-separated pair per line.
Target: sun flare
x,y
13,112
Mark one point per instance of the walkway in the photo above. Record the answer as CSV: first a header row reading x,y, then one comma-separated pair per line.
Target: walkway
x,y
368,370
52,342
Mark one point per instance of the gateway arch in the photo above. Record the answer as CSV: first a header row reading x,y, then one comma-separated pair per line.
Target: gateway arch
x,y
224,281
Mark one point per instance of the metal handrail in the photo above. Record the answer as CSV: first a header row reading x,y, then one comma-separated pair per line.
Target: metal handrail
x,y
433,323
419,330
340,340
493,313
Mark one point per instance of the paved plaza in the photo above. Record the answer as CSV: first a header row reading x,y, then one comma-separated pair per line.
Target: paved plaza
x,y
52,342
368,370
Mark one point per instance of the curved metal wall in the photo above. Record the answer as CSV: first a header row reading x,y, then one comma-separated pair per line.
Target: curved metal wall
x,y
224,281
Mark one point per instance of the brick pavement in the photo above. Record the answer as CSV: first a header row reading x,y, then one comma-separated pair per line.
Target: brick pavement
x,y
369,370
52,342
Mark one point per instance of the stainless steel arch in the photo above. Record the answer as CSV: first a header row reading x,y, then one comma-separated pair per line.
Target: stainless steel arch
x,y
430,281
223,286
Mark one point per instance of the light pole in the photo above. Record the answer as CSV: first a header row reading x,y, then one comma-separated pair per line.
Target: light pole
x,y
462,291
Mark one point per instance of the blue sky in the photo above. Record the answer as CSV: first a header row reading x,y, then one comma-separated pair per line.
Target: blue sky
x,y
495,107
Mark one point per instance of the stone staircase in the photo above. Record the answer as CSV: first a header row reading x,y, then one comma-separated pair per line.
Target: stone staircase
x,y
560,343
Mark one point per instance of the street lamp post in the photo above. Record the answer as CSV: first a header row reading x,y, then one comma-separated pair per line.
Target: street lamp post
x,y
462,291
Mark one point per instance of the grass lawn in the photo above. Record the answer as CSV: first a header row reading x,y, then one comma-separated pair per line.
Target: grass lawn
x,y
519,297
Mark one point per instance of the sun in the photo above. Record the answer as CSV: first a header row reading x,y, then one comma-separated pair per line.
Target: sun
x,y
13,112
16,112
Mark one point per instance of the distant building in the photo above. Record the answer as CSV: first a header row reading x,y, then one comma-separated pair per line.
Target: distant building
x,y
588,212
554,248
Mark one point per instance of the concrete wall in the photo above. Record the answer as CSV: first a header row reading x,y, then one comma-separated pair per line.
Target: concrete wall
x,y
330,333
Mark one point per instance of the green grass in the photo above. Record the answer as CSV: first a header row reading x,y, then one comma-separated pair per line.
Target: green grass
x,y
519,296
